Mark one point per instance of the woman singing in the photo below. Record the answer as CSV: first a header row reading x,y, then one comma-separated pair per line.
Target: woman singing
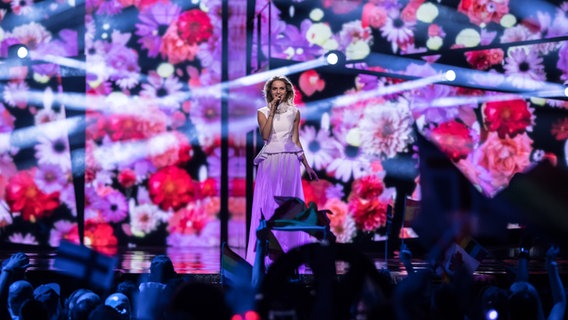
x,y
279,171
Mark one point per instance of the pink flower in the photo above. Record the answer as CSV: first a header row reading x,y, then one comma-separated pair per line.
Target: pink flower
x,y
373,16
484,11
341,223
504,157
189,220
175,48
310,82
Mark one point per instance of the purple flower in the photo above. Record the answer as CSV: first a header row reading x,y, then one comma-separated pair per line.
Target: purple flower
x,y
50,178
113,206
153,25
123,62
292,44
562,63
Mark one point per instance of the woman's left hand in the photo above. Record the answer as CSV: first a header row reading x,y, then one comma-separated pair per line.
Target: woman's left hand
x,y
312,174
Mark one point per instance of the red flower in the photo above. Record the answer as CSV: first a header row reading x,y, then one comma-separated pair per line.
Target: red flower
x,y
23,195
507,117
369,215
189,220
172,187
454,139
209,188
560,129
315,191
124,127
368,187
194,26
98,235
238,187
484,59
127,178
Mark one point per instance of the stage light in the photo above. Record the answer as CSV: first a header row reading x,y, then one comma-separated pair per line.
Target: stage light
x,y
566,92
335,57
18,51
450,75
492,314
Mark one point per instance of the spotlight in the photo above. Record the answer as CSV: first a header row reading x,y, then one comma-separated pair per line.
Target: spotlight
x,y
566,92
18,51
335,57
450,75
492,314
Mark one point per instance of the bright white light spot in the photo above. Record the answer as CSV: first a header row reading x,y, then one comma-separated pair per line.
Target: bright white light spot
x,y
353,137
22,52
508,20
292,11
195,1
450,75
106,26
566,92
468,38
300,51
540,101
316,14
427,12
492,314
40,78
165,70
104,35
332,58
434,43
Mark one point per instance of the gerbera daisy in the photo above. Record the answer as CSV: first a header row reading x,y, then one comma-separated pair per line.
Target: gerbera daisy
x,y
397,31
16,94
20,238
50,178
153,25
166,92
319,147
54,148
22,7
524,68
349,162
112,206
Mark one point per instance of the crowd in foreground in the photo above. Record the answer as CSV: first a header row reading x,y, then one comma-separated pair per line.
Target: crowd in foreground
x,y
363,292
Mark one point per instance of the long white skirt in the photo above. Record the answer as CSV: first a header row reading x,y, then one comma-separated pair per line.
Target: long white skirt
x,y
278,175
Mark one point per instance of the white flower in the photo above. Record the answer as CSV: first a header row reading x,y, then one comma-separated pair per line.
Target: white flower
x,y
144,218
386,130
525,69
319,148
53,148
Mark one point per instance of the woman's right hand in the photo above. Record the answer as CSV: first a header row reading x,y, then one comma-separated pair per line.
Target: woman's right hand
x,y
274,105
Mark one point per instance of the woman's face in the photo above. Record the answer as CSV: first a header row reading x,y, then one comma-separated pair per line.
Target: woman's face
x,y
278,90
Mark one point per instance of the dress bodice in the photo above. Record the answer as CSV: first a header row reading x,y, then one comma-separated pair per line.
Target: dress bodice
x,y
280,139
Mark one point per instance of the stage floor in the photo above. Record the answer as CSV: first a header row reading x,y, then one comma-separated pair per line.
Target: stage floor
x,y
207,260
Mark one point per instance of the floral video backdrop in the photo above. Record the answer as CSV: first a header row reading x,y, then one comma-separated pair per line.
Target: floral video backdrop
x,y
152,104
497,119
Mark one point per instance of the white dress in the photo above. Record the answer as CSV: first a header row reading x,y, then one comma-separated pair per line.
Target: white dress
x,y
278,174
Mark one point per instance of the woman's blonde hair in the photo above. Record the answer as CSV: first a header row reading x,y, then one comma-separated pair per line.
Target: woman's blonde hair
x,y
290,94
